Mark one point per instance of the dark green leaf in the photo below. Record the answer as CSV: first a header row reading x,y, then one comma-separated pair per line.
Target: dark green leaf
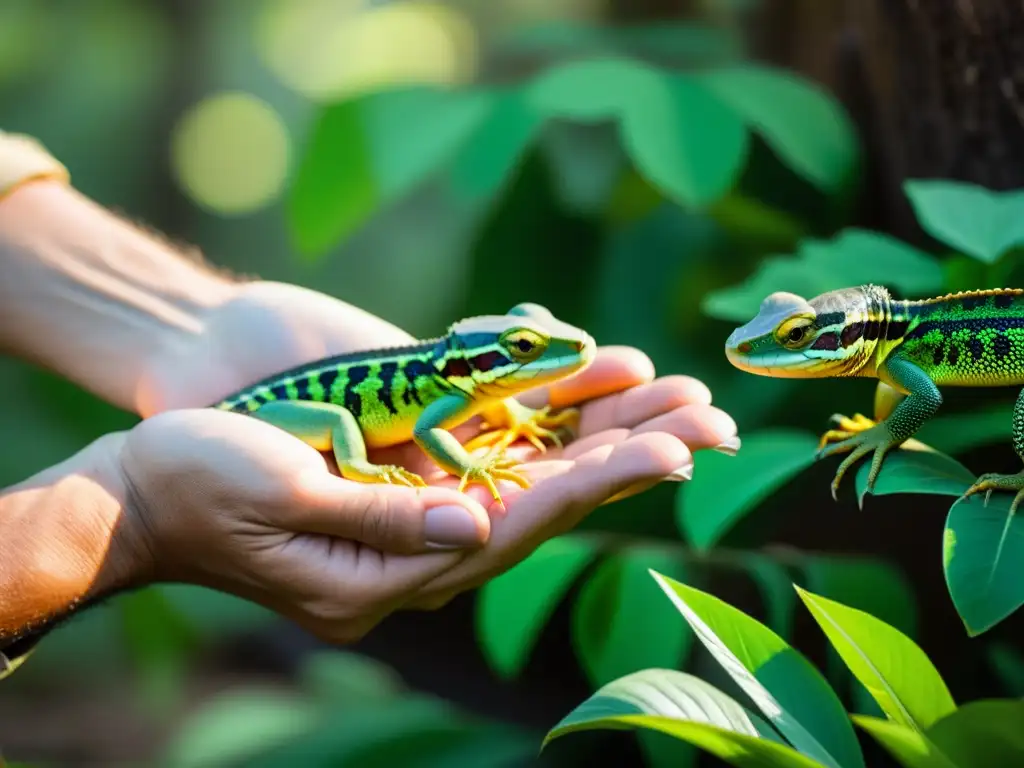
x,y
513,607
983,557
961,432
621,621
804,124
586,163
911,748
725,488
854,257
982,734
899,675
980,222
1009,667
680,136
916,470
349,679
487,159
776,590
787,689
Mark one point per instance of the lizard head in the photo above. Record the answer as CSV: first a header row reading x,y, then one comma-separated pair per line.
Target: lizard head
x,y
522,349
794,338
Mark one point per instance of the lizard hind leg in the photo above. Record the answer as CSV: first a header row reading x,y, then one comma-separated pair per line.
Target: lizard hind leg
x,y
329,427
995,481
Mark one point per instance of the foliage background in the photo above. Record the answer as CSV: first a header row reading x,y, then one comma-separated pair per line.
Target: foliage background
x,y
197,120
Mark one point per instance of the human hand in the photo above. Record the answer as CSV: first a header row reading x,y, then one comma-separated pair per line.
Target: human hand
x,y
338,556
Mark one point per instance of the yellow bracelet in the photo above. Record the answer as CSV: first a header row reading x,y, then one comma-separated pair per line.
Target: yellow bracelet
x,y
23,159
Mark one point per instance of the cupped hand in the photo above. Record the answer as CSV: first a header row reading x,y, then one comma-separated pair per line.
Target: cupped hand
x,y
236,504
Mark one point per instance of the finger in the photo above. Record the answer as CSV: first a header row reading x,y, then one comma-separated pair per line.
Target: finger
x,y
561,502
635,406
389,518
699,426
612,370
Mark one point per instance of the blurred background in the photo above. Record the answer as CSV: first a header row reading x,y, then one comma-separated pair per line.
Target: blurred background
x,y
644,168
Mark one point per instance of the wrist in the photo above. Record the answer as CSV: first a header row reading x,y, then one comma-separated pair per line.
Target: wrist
x,y
70,538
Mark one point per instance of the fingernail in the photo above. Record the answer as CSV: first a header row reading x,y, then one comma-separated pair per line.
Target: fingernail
x,y
682,474
450,527
729,447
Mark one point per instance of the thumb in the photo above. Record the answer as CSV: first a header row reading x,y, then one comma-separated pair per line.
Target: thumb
x,y
391,518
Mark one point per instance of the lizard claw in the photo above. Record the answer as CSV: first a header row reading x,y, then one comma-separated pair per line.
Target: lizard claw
x,y
877,440
490,469
381,473
847,428
994,481
539,426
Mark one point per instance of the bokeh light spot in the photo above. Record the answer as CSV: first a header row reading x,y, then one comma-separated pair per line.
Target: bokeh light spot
x,y
331,50
230,153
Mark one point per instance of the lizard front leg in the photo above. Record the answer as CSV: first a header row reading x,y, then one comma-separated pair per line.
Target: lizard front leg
x,y
512,420
432,435
886,400
329,427
993,481
922,401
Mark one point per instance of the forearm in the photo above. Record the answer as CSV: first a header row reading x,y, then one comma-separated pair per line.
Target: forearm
x,y
69,537
89,295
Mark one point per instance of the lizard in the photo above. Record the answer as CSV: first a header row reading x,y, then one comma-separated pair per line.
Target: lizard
x,y
912,347
350,403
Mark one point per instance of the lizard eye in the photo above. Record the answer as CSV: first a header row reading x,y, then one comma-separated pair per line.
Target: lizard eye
x,y
795,335
524,345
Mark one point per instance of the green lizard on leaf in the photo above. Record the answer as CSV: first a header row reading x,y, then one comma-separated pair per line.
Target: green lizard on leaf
x,y
969,339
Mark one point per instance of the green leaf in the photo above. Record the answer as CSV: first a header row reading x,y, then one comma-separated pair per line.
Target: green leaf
x,y
488,157
787,689
1009,667
982,733
981,223
621,621
899,675
853,257
349,679
513,607
916,470
911,748
983,558
682,138
334,189
799,120
725,488
687,708
237,726
776,590
586,162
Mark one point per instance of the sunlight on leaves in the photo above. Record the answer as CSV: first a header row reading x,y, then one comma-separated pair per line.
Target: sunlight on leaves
x,y
802,122
787,689
911,748
622,622
853,257
982,223
897,673
683,706
725,488
513,608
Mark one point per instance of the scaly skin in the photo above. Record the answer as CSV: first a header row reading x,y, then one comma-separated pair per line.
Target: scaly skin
x,y
378,398
970,339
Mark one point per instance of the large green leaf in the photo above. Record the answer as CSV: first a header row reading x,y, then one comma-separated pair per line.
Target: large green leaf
x,y
853,257
980,222
725,488
982,733
621,621
681,137
899,675
911,748
787,689
803,123
687,708
513,607
916,470
488,157
983,558
959,432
